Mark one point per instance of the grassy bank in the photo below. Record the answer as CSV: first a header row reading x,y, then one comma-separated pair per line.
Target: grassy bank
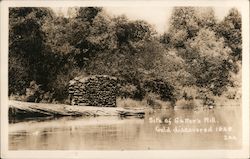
x,y
190,101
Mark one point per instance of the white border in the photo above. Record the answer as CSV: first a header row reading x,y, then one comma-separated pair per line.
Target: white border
x,y
242,153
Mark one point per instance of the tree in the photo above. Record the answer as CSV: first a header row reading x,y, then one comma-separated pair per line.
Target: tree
x,y
90,32
186,26
183,25
230,30
185,22
18,74
26,44
59,56
73,42
206,17
133,53
87,14
208,60
134,46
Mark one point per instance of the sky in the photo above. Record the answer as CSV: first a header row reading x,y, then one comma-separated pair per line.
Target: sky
x,y
157,17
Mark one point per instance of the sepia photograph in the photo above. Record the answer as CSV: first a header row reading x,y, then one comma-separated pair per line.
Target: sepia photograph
x,y
125,78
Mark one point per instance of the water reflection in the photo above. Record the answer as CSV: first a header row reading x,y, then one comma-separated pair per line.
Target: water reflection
x,y
114,133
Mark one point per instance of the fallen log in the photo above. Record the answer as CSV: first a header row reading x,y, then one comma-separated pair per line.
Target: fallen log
x,y
22,110
131,113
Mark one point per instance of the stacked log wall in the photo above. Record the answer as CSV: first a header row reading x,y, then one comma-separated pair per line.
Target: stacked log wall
x,y
99,90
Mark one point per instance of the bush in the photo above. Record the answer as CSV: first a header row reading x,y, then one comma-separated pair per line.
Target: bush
x,y
17,97
206,96
127,91
34,92
160,87
18,78
128,102
188,104
232,93
153,100
59,87
130,89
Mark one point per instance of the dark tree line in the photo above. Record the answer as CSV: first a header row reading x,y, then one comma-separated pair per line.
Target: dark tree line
x,y
197,50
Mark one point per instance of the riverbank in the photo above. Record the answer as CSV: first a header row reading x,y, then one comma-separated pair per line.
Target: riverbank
x,y
24,110
19,110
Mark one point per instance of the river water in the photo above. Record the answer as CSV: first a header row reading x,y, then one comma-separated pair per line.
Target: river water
x,y
165,129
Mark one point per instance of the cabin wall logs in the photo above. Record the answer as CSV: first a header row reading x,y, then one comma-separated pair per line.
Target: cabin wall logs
x,y
99,90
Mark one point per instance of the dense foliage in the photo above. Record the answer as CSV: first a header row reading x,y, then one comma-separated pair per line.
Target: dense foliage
x,y
196,51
